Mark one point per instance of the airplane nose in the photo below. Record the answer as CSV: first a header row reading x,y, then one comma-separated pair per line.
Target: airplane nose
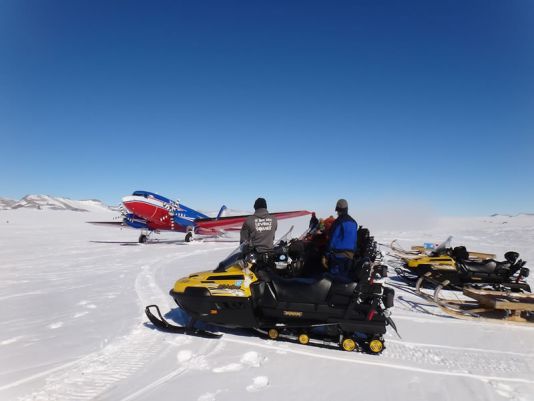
x,y
127,201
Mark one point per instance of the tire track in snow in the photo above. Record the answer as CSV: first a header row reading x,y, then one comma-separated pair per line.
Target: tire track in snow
x,y
430,358
462,360
94,374
483,350
210,348
384,362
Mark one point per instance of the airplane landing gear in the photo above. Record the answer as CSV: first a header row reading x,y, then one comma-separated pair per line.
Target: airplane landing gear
x,y
143,238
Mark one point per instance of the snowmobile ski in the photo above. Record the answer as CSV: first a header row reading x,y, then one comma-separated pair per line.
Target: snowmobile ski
x,y
162,324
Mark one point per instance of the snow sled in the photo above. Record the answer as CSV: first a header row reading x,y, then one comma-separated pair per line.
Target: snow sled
x,y
505,275
495,289
246,292
487,304
452,268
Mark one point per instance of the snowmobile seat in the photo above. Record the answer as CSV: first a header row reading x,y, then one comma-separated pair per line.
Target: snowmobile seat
x,y
341,293
302,290
488,266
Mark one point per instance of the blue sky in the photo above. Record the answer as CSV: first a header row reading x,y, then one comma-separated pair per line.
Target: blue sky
x,y
423,102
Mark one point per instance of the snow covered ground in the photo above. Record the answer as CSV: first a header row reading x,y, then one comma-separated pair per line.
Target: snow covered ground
x,y
72,325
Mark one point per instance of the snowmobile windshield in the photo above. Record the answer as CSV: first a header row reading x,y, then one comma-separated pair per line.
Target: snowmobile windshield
x,y
441,248
284,238
233,258
237,256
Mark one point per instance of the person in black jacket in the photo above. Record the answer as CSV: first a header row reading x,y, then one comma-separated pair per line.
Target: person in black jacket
x,y
314,222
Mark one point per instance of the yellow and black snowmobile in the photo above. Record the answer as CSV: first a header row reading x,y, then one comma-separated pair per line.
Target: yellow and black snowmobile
x,y
491,289
418,262
244,292
453,268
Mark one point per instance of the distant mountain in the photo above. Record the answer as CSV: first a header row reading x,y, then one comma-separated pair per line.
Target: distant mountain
x,y
46,202
6,203
510,215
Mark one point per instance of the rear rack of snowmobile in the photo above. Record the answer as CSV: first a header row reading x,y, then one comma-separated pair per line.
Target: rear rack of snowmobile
x,y
415,251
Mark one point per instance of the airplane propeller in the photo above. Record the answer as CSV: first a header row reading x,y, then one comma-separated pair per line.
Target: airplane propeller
x,y
125,214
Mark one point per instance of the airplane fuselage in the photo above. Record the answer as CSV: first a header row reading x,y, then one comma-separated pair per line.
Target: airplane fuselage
x,y
158,213
151,212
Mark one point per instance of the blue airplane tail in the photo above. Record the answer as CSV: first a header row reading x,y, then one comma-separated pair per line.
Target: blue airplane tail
x,y
221,212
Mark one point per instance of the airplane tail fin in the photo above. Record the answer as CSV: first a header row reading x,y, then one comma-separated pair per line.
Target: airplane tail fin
x,y
221,212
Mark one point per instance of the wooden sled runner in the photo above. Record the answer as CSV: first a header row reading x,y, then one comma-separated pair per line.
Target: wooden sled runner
x,y
486,304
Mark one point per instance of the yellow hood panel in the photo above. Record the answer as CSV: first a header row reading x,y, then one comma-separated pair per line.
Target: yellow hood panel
x,y
232,282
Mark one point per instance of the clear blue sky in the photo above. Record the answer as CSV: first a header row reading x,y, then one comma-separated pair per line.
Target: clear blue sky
x,y
213,102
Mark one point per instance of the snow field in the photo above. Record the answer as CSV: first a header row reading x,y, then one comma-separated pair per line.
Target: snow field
x,y
72,325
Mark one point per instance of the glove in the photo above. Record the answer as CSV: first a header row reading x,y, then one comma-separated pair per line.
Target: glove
x,y
324,262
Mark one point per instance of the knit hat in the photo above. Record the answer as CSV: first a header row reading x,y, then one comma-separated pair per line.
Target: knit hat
x,y
342,205
260,203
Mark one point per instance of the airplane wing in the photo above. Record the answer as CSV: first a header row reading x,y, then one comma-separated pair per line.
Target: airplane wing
x,y
225,223
126,223
107,223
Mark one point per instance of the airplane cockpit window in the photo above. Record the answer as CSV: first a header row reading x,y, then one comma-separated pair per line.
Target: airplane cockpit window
x,y
140,193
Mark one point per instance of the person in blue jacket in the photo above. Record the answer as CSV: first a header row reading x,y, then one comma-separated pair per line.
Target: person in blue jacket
x,y
343,241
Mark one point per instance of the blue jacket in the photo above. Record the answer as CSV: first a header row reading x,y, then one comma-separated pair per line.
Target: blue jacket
x,y
343,235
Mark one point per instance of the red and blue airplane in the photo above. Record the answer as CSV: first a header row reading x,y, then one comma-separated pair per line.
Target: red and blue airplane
x,y
151,212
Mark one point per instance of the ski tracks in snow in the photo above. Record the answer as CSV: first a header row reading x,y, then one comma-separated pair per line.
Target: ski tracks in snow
x,y
92,375
434,360
473,363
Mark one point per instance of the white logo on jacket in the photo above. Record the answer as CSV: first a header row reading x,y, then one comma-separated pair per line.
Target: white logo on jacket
x,y
263,224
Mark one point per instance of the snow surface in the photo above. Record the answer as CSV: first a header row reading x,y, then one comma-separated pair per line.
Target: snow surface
x,y
72,324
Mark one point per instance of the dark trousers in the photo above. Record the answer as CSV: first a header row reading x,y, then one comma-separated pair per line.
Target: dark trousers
x,y
339,266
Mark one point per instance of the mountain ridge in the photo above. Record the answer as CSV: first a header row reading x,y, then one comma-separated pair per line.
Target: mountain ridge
x,y
48,202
